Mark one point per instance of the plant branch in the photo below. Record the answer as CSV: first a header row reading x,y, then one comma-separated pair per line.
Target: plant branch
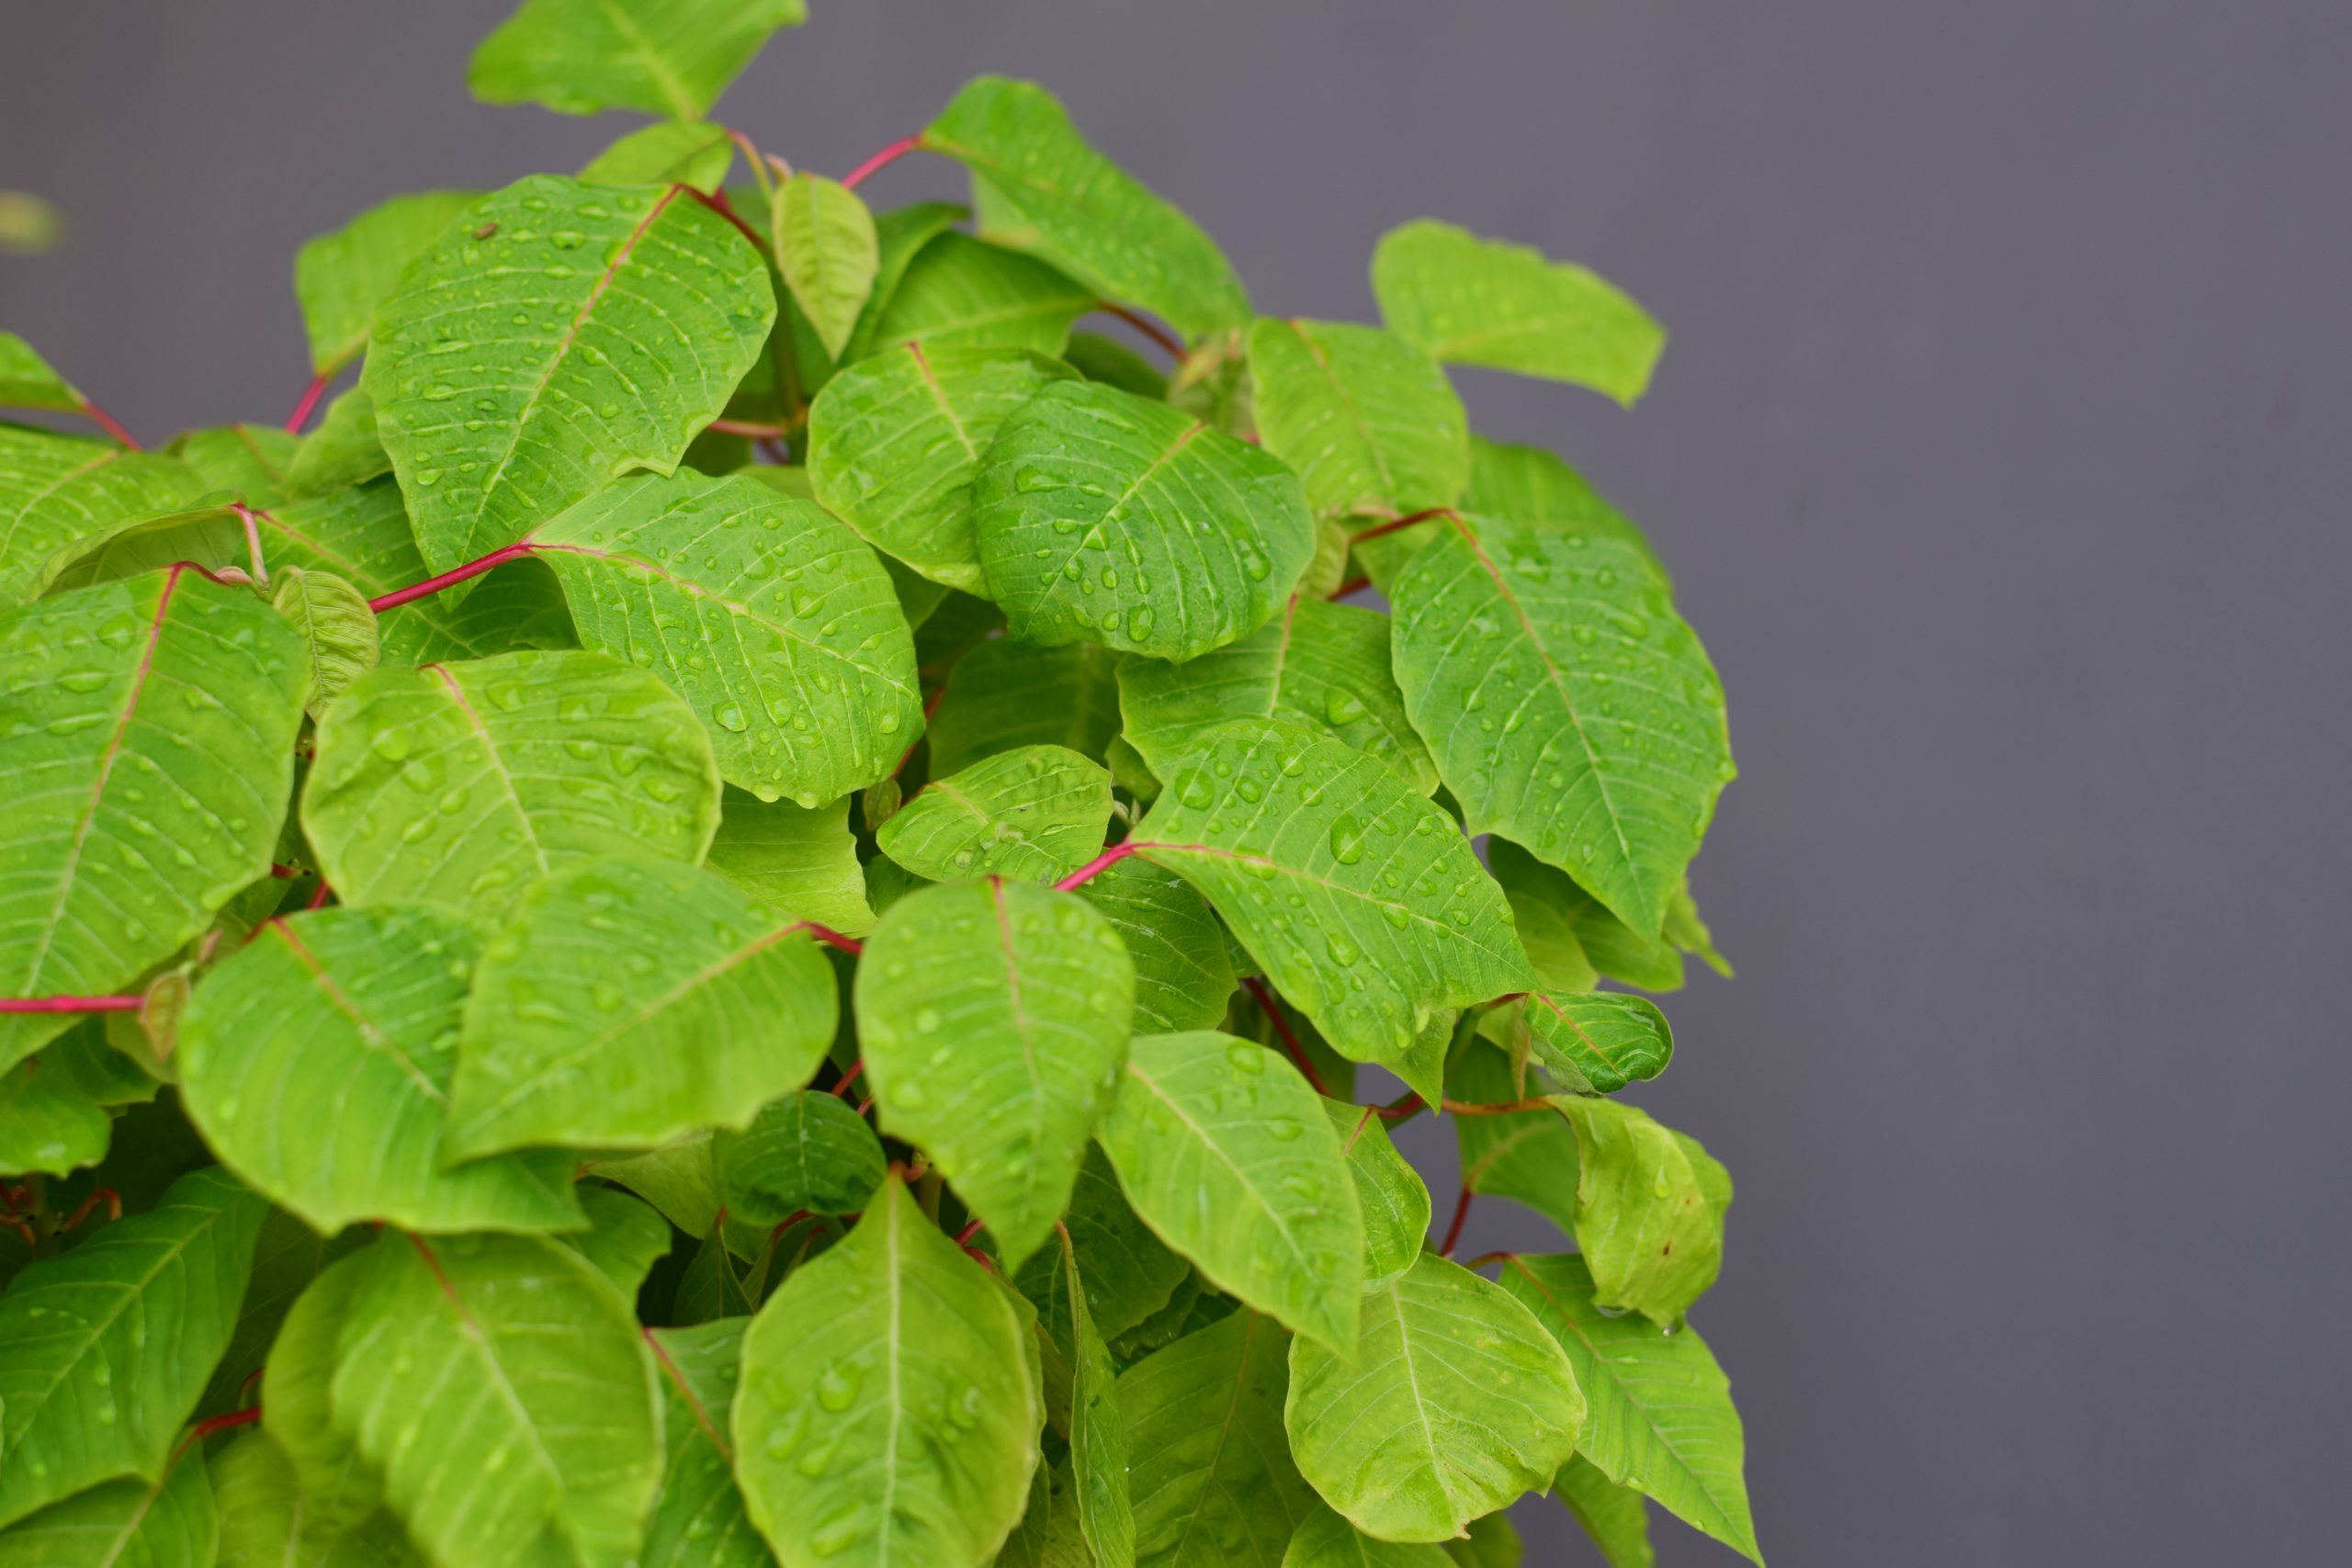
x,y
882,159
1377,529
70,1004
104,422
1146,326
449,579
1453,1230
311,396
1272,1007
726,208
831,938
1100,864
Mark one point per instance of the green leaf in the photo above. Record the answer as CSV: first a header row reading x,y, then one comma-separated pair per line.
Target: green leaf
x,y
1226,1152
28,381
642,311
1126,1271
1593,1042
1007,693
710,1289
341,1489
337,630
150,729
626,1237
57,490
1389,1193
1100,359
669,57
167,1522
679,1179
691,153
287,1256
1098,1431
1212,1478
1612,1515
1394,921
461,784
1322,665
808,1151
49,1123
1686,931
779,627
1530,1157
700,1521
1457,1403
500,1385
1369,421
1527,484
895,440
1090,218
88,1390
1476,302
854,1373
330,1033
713,1010
1324,1540
1571,938
1493,1542
900,235
826,251
1645,1219
250,460
800,862
959,292
1184,978
993,1017
1031,815
1661,1419
264,1521
1568,707
340,279
1096,511
344,450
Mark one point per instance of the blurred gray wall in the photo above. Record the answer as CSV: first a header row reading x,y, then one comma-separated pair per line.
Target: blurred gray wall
x,y
2000,453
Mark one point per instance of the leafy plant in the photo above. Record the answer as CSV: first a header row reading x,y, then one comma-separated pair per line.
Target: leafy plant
x,y
732,917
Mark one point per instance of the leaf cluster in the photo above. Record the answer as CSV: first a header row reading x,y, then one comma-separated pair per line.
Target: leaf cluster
x,y
731,917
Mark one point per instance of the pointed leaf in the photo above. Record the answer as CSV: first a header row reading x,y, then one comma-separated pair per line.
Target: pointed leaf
x,y
169,1522
853,1372
1103,517
462,785
895,440
808,1151
1031,815
692,152
150,729
641,310
826,248
1394,921
1661,1418
993,1017
700,1521
330,1033
1645,1221
265,1522
718,1008
1089,217
28,381
1212,1477
1389,1193
500,1385
1476,302
672,57
1006,694
1127,1273
801,862
1593,1042
337,630
1368,420
1183,977
1322,665
103,1350
1226,1152
56,489
1324,1540
1568,707
1569,935
961,293
1458,1402
626,1237
1612,1515
772,619
341,278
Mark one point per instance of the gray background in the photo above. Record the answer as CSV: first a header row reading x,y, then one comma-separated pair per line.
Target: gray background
x,y
2000,455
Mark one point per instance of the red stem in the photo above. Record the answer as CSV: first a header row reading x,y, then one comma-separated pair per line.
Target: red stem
x,y
832,938
749,430
1274,1010
1453,1231
1146,326
725,208
964,1237
849,1077
212,1424
104,422
862,1107
1390,527
889,156
70,1004
1100,863
454,575
930,706
1351,585
311,396
319,899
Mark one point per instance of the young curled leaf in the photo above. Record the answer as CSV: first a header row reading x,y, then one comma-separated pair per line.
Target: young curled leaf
x,y
337,628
